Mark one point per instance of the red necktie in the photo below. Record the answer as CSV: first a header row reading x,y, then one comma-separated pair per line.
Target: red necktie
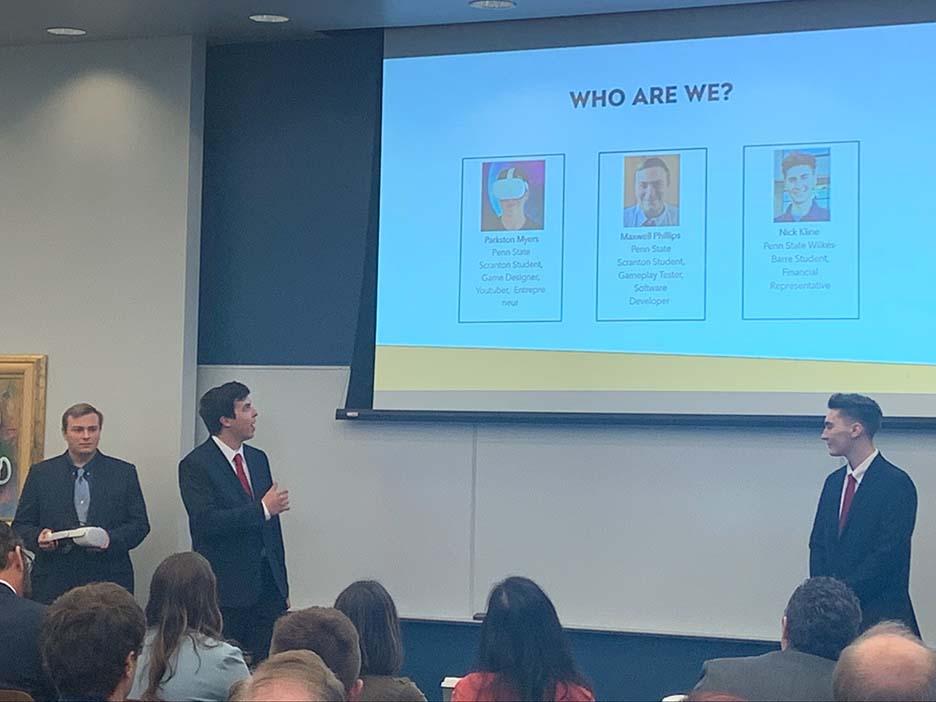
x,y
850,486
241,475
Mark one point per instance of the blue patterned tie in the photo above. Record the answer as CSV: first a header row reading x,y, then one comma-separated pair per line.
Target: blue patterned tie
x,y
82,496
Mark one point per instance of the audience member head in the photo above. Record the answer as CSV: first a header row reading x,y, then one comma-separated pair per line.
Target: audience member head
x,y
219,402
90,639
370,608
183,601
821,618
291,676
15,564
330,634
887,662
523,644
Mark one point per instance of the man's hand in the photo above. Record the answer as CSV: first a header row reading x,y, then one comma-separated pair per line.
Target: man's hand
x,y
44,543
276,500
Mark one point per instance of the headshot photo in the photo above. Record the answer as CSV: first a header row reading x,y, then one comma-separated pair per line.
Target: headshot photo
x,y
801,185
512,195
651,191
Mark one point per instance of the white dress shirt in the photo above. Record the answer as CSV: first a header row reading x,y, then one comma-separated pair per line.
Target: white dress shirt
x,y
858,471
4,582
229,454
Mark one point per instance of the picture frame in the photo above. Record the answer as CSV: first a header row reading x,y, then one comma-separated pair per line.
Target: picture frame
x,y
22,424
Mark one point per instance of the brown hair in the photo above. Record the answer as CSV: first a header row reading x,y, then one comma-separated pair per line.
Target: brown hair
x,y
303,667
86,637
370,608
797,158
183,601
82,409
327,632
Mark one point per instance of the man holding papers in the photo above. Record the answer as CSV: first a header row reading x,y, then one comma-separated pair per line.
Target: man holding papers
x,y
81,488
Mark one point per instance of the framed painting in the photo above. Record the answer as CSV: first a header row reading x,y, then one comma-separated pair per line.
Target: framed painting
x,y
22,424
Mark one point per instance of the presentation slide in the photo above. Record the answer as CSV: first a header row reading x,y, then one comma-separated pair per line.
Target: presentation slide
x,y
719,225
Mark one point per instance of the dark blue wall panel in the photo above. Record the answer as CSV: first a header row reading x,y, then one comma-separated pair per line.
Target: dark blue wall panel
x,y
290,131
620,666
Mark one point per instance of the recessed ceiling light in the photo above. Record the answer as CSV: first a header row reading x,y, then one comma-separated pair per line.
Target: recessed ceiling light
x,y
492,4
66,31
270,19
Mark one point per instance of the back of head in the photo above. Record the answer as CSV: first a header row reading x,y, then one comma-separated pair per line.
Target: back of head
x,y
371,609
9,541
291,676
523,643
327,632
822,617
887,662
183,601
858,408
87,635
219,402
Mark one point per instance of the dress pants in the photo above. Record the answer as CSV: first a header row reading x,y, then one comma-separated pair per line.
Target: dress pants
x,y
251,627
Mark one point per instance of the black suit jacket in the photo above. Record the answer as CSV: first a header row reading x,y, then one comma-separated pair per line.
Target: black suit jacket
x,y
873,553
20,664
779,675
48,501
227,527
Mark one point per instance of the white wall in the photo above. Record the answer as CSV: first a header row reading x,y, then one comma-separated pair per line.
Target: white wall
x,y
673,530
100,195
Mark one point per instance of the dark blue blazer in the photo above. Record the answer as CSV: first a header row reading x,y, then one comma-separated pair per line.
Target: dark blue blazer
x,y
48,501
228,527
873,553
20,665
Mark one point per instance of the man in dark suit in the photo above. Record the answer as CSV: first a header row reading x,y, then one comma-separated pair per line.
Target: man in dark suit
x,y
82,487
821,619
233,507
20,619
866,514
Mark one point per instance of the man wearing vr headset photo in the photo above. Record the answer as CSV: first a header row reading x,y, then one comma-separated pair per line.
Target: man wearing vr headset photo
x,y
509,195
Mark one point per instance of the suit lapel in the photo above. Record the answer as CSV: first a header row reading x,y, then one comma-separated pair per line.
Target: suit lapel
x,y
224,469
864,493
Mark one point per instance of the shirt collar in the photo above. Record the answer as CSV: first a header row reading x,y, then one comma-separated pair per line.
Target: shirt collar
x,y
641,217
228,452
862,467
87,466
4,582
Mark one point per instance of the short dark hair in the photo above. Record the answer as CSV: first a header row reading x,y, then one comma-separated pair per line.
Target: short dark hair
x,y
797,158
9,540
891,673
304,668
219,402
858,408
325,631
82,409
654,162
86,637
371,609
524,645
822,617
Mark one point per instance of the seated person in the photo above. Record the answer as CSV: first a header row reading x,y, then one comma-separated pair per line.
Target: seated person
x,y
291,676
524,653
20,618
799,182
821,619
370,608
184,656
330,634
887,662
90,639
651,188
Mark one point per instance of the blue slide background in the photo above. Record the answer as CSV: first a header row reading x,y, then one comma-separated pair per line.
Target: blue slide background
x,y
867,85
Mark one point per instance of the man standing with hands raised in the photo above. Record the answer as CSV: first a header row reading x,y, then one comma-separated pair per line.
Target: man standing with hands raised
x,y
233,507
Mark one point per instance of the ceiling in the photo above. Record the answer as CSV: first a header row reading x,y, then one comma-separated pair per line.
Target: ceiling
x,y
224,21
